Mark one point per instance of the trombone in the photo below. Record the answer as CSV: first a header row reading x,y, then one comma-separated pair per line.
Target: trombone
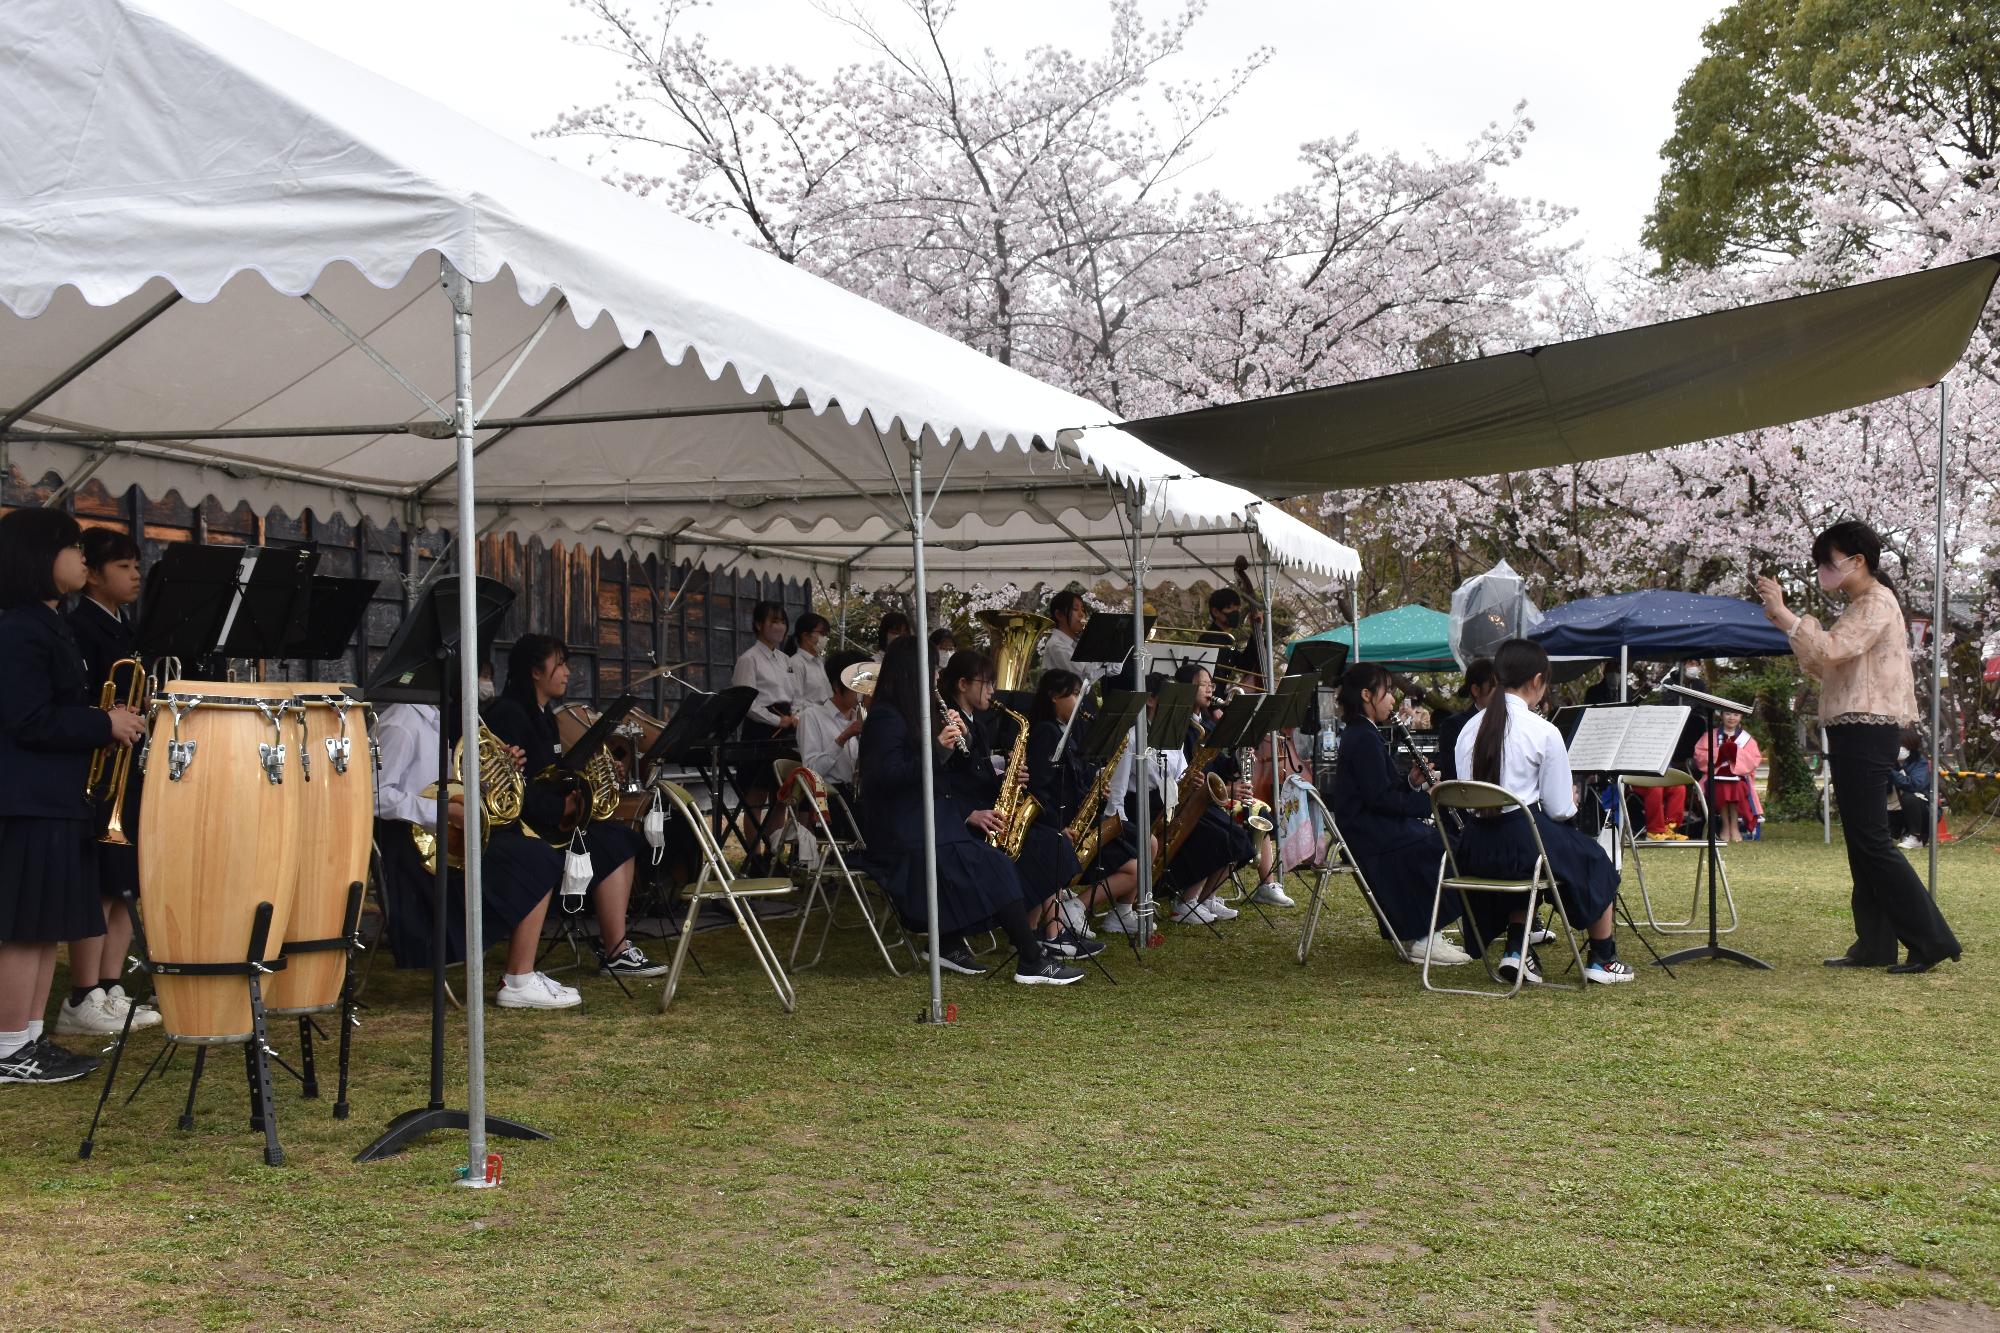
x,y
116,760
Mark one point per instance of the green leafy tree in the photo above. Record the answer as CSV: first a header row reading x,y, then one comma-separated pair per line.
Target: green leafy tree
x,y
1747,149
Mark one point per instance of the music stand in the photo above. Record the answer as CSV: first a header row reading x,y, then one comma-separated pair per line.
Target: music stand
x,y
1324,658
1708,705
695,737
334,610
273,592
1172,711
418,667
204,602
1107,640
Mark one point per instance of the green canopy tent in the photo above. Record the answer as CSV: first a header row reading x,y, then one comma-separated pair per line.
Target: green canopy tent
x,y
1409,638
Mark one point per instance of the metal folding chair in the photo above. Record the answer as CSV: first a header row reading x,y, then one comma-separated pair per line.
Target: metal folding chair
x,y
814,803
1474,800
719,883
1675,777
1338,860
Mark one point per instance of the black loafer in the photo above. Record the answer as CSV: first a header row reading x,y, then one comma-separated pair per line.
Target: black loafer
x,y
1847,960
1916,965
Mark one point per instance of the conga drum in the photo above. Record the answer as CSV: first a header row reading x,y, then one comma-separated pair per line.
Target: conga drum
x,y
221,814
336,830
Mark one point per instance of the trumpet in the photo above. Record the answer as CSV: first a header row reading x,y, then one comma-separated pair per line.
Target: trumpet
x,y
116,760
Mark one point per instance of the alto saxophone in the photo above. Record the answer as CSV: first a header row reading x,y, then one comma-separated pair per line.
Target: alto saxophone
x,y
1086,833
1198,790
1013,804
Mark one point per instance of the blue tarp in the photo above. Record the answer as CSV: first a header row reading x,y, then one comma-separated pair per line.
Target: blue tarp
x,y
1660,625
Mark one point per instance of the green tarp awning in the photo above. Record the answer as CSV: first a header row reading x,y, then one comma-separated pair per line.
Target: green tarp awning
x,y
1617,393
1409,638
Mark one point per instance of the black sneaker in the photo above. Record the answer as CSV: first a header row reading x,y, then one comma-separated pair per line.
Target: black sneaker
x,y
959,960
1050,973
1072,945
1513,962
631,961
41,1062
54,1054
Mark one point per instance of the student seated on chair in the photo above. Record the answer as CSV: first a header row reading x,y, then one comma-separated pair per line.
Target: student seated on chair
x,y
1212,848
524,717
518,874
1511,745
1381,816
977,886
972,778
1059,778
830,736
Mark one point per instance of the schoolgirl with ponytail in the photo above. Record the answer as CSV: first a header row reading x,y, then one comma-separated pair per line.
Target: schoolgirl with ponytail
x,y
1510,745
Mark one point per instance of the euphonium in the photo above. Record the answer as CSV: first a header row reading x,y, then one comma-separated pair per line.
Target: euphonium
x,y
1013,804
1014,634
117,759
1086,833
500,789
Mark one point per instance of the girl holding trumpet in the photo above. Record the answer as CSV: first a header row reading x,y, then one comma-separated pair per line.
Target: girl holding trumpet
x,y
49,726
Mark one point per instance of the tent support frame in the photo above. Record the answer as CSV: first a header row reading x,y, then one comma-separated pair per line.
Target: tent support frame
x,y
1939,610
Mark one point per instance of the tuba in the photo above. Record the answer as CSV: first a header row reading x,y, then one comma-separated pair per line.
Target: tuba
x,y
500,796
1013,804
1014,635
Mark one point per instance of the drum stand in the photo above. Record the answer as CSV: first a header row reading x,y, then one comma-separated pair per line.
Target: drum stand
x,y
257,1053
350,942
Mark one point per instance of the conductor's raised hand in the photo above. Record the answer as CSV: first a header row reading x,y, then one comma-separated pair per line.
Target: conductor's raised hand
x,y
1773,598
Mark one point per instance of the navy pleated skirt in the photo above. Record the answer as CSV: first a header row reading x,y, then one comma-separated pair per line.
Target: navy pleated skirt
x,y
610,846
48,881
516,873
1113,856
1503,848
1402,871
1048,864
975,883
1216,842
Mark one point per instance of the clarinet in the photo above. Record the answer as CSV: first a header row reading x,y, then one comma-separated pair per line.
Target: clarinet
x,y
1430,774
963,744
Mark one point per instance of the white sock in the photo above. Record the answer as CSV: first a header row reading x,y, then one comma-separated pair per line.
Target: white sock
x,y
34,1029
517,979
11,1042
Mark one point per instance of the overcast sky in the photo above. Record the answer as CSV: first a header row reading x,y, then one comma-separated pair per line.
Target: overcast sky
x,y
1599,78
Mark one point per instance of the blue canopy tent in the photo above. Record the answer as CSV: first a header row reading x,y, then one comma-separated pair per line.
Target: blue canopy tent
x,y
1661,626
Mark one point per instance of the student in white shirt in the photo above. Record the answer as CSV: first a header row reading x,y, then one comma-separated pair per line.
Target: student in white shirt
x,y
1510,745
830,732
518,873
809,683
1070,611
764,668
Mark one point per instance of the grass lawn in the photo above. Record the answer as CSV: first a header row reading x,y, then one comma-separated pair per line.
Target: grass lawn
x,y
1223,1140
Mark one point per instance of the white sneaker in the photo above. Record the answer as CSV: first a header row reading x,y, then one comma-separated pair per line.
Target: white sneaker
x,y
1441,951
116,1003
537,990
1219,910
1909,842
1073,914
1610,972
88,1017
1120,920
1191,914
1272,894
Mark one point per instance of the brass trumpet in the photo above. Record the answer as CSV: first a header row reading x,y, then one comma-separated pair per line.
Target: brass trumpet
x,y
114,759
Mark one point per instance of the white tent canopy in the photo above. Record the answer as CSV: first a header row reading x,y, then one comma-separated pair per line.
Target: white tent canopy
x,y
175,262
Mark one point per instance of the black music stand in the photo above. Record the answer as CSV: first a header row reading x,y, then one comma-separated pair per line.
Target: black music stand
x,y
419,666
1107,640
204,603
1323,658
334,610
695,738
1708,705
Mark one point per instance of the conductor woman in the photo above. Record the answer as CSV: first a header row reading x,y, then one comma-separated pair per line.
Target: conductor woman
x,y
1867,694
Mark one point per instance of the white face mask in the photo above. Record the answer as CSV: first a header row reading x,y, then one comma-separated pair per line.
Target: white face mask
x,y
486,690
1902,755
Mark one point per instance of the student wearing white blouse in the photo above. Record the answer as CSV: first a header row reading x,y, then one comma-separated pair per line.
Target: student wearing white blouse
x,y
809,682
765,669
1510,745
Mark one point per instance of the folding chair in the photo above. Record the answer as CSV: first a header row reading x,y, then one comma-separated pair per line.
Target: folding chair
x,y
813,802
1675,777
1337,859
718,883
1474,800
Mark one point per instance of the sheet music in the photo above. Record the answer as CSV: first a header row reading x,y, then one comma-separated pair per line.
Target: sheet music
x,y
1627,740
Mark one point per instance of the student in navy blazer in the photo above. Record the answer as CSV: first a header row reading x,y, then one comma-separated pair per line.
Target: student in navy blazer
x,y
48,729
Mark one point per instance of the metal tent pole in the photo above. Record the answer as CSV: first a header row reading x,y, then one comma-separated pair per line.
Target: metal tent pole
x,y
1618,785
460,292
1938,612
1271,684
935,1012
1140,766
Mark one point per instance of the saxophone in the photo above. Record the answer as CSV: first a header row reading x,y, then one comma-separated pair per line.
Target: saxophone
x,y
1086,833
1199,789
500,794
1013,804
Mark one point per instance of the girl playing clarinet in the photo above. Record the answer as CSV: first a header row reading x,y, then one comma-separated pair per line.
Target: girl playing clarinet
x,y
48,729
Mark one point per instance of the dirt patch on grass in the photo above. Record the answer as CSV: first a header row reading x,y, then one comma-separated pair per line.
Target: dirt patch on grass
x,y
1935,1315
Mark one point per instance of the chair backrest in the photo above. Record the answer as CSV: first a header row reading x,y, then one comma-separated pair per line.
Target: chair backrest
x,y
713,862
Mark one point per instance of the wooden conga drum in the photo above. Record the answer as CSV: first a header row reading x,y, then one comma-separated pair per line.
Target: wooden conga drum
x,y
218,834
336,829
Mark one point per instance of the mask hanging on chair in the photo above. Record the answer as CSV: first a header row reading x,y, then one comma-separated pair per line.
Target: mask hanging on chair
x,y
576,875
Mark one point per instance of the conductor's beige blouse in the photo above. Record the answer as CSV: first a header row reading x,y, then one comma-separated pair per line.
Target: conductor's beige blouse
x,y
1862,663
